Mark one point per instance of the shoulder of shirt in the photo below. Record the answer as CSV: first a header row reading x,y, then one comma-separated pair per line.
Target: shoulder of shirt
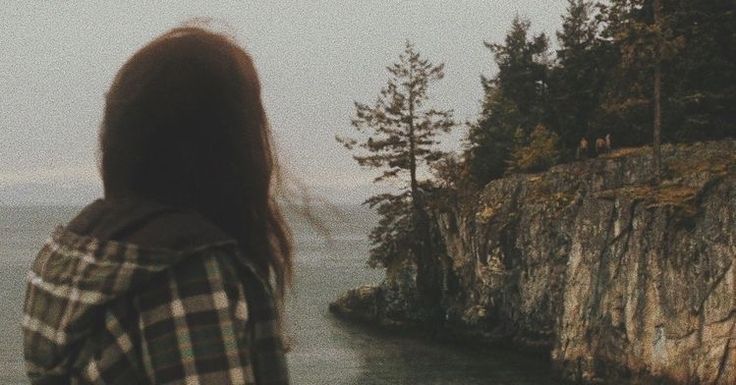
x,y
147,225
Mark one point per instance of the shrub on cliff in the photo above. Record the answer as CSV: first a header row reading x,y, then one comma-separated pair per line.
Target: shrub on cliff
x,y
537,153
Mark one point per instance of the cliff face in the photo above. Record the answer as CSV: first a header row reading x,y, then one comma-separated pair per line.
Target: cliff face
x,y
614,278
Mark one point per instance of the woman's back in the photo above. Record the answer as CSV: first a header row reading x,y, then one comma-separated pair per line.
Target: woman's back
x,y
137,292
167,280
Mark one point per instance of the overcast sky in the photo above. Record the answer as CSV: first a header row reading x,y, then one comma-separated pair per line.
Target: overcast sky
x,y
57,59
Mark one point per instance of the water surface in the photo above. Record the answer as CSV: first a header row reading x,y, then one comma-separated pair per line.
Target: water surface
x,y
325,351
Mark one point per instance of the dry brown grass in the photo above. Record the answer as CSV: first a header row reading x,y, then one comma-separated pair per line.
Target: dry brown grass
x,y
675,192
626,151
666,195
673,195
714,165
486,214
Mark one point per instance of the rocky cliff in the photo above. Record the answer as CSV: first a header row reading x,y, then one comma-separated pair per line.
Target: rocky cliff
x,y
613,278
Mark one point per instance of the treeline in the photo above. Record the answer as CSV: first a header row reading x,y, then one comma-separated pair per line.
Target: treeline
x,y
601,81
624,70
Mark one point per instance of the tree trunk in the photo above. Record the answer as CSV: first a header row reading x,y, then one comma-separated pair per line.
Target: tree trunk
x,y
428,284
657,103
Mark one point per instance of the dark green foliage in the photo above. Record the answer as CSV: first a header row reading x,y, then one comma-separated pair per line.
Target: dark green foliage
x,y
702,75
536,109
584,62
400,133
492,137
516,99
537,152
694,43
604,80
522,71
643,45
394,231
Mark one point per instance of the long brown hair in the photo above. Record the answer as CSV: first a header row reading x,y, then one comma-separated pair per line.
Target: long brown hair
x,y
184,125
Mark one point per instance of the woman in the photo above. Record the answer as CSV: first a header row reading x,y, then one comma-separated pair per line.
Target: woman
x,y
167,280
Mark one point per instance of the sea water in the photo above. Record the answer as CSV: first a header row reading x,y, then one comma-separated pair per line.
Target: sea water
x,y
324,350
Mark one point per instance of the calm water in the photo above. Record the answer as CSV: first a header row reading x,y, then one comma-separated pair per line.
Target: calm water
x,y
325,351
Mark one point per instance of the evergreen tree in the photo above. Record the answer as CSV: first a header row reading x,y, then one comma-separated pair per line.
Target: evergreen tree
x,y
626,104
702,75
644,71
642,31
401,137
577,82
491,138
515,99
522,72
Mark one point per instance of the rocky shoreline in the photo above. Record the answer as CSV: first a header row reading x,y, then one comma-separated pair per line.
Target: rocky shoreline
x,y
610,278
364,306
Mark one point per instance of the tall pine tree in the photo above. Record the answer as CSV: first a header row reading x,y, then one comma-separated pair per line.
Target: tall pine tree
x,y
515,100
701,86
400,132
577,82
643,33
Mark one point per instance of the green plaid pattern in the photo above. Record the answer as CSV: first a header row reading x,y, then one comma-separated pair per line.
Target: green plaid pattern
x,y
108,312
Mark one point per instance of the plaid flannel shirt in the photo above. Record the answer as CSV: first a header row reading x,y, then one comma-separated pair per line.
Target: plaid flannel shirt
x,y
109,312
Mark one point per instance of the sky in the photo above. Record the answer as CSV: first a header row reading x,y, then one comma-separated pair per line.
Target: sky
x,y
314,58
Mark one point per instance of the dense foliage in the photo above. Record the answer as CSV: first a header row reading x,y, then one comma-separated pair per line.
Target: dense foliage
x,y
515,100
603,80
624,71
537,153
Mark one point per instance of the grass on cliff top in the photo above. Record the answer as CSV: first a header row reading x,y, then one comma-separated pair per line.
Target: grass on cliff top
x,y
687,170
713,164
655,196
626,151
684,181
